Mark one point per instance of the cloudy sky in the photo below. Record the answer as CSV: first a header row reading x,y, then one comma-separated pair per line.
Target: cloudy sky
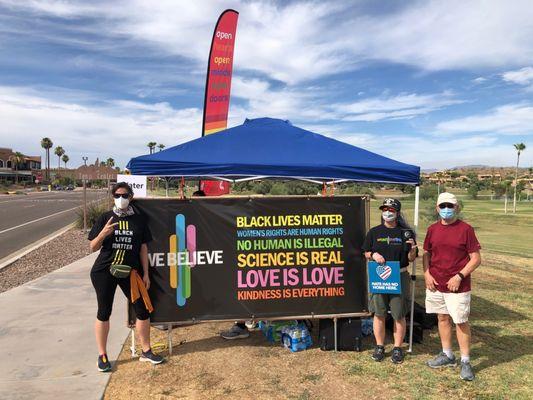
x,y
433,83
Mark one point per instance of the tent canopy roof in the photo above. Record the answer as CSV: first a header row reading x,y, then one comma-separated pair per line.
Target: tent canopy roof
x,y
268,147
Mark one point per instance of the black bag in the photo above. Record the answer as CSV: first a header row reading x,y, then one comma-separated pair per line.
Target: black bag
x,y
418,333
427,321
349,334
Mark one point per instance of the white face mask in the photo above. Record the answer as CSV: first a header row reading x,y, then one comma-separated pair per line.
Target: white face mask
x,y
122,203
388,216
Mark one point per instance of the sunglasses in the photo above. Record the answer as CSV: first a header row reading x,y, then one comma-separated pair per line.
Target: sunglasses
x,y
123,195
388,209
446,205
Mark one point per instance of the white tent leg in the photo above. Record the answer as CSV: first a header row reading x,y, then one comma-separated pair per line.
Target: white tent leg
x,y
169,337
413,273
335,333
132,348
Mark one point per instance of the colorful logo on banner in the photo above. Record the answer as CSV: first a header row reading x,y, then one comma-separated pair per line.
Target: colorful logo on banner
x,y
182,243
384,278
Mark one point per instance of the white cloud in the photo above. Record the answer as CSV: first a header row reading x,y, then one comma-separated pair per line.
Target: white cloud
x,y
432,153
286,102
120,129
302,41
402,106
313,103
438,35
510,119
479,80
428,152
523,76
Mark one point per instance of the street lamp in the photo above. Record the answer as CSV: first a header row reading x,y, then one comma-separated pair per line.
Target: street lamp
x,y
84,198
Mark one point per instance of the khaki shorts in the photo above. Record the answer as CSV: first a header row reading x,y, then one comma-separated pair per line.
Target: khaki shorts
x,y
457,305
398,304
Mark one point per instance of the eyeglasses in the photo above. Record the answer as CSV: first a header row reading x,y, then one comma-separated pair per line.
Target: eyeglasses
x,y
123,195
388,209
446,205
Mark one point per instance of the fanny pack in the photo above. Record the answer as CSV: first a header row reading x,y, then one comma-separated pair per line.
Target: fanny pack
x,y
120,271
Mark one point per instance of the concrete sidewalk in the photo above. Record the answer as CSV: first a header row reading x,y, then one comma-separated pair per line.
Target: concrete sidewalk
x,y
47,338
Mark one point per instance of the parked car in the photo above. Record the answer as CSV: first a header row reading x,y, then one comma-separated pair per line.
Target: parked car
x,y
59,187
70,187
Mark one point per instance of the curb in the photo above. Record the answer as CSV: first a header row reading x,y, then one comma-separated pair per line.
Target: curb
x,y
10,259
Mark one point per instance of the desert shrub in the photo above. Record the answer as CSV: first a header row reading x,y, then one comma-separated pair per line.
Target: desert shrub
x,y
94,211
278,189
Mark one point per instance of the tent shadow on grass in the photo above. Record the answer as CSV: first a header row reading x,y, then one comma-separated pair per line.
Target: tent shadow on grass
x,y
488,310
499,349
489,341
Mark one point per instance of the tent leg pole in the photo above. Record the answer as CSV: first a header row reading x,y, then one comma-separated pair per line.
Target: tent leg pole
x,y
169,337
413,273
132,348
335,332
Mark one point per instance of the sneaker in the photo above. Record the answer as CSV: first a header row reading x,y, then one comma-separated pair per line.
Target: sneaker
x,y
149,356
103,363
442,360
467,373
236,332
397,355
379,353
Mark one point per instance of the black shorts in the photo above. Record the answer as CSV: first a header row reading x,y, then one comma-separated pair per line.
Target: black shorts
x,y
105,286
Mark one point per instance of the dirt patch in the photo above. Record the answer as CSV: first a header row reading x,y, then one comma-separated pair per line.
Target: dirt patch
x,y
205,366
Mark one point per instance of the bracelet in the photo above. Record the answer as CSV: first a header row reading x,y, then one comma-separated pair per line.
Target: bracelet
x,y
461,275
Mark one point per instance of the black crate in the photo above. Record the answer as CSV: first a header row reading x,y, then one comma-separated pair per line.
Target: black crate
x,y
349,335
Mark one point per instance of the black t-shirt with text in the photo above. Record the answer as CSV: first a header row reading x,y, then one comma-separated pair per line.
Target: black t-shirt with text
x,y
123,246
387,242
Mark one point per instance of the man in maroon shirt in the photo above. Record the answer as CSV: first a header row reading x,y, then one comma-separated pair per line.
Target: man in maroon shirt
x,y
451,255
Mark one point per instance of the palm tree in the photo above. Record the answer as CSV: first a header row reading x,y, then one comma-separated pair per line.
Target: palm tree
x,y
519,148
161,146
110,162
65,159
16,159
151,146
59,152
47,144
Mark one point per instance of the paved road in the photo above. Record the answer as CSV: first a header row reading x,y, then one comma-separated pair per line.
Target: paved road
x,y
24,219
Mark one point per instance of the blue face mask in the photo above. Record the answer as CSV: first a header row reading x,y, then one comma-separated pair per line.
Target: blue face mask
x,y
446,213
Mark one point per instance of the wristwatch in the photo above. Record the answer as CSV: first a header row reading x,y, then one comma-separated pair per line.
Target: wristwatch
x,y
461,275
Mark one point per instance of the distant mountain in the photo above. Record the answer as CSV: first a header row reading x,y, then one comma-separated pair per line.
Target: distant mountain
x,y
479,166
480,169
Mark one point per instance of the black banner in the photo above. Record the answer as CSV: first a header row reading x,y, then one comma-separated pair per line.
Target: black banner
x,y
242,258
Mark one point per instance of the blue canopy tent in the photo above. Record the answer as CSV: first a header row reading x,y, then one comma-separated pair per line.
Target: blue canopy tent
x,y
273,148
